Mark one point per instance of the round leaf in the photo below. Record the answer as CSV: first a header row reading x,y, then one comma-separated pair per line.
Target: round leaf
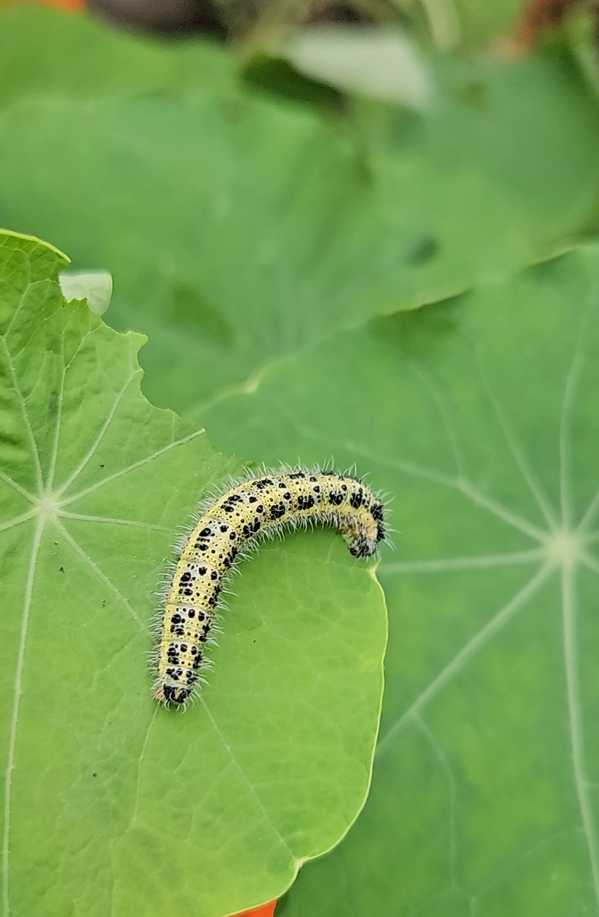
x,y
480,418
111,803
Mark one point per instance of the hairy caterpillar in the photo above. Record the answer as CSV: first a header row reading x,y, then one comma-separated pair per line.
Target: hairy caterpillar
x,y
251,509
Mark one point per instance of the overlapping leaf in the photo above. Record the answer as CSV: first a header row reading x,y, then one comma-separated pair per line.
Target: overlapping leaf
x,y
112,805
241,227
480,418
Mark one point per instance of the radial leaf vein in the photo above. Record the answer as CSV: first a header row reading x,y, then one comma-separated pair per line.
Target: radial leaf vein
x,y
25,416
476,643
18,520
112,521
57,426
464,486
589,516
444,412
99,573
12,741
431,474
102,432
570,391
522,462
576,722
21,490
134,465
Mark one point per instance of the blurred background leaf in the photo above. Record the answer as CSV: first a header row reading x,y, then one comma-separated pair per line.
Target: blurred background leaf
x,y
479,417
239,226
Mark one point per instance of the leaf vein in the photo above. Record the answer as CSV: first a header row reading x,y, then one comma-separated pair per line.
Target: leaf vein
x,y
12,741
475,643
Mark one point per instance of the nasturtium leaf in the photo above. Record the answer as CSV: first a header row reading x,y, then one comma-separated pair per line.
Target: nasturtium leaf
x,y
480,417
240,227
113,805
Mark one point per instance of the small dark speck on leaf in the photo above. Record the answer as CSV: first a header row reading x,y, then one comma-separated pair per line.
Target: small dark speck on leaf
x,y
61,569
422,250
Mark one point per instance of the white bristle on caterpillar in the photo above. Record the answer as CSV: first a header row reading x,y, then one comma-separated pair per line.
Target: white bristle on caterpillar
x,y
250,510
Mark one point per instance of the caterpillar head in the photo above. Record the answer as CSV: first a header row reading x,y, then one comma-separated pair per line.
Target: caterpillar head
x,y
371,531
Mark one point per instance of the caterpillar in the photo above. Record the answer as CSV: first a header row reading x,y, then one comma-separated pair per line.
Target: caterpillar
x,y
254,508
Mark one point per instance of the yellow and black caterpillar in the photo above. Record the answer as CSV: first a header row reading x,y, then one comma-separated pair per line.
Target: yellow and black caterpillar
x,y
256,507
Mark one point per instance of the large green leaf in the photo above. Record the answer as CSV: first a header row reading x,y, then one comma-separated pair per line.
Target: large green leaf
x,y
240,227
481,418
112,805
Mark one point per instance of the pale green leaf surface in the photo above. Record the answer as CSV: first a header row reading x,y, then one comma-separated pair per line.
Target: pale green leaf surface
x,y
112,805
480,419
239,227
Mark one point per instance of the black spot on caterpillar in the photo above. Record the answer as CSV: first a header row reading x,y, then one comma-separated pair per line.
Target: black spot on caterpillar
x,y
251,509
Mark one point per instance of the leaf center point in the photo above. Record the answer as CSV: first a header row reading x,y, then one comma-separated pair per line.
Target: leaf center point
x,y
564,548
49,507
